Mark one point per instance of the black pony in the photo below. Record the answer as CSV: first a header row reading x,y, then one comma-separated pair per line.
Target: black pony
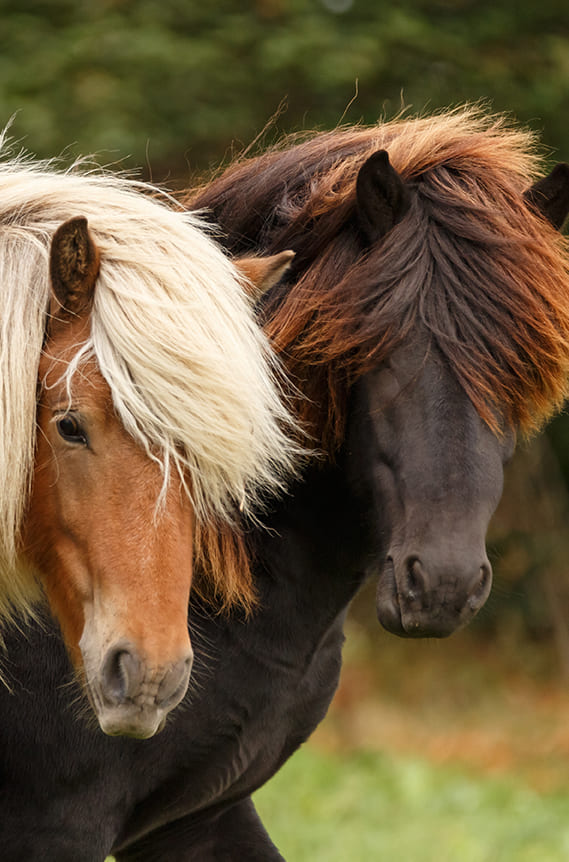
x,y
425,321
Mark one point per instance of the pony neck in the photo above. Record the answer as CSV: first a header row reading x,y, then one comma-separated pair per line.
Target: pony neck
x,y
319,543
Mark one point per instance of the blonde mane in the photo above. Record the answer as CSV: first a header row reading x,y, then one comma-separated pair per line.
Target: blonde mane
x,y
191,375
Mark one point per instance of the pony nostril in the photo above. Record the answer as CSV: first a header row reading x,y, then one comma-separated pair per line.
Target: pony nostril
x,y
120,675
416,581
175,682
481,587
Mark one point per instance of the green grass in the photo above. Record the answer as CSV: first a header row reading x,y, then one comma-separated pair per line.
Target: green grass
x,y
330,808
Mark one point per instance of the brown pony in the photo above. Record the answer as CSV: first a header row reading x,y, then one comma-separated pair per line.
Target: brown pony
x,y
157,417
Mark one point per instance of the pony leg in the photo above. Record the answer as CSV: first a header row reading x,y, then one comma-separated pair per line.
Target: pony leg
x,y
235,835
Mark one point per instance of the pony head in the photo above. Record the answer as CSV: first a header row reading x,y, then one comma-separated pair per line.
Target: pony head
x,y
426,316
142,414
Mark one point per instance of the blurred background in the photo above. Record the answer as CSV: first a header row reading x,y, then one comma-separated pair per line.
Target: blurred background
x,y
432,750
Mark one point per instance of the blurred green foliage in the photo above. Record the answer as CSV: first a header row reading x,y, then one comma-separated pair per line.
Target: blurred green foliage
x,y
177,81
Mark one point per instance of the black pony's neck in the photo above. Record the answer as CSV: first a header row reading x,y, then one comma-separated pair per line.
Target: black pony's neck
x,y
320,540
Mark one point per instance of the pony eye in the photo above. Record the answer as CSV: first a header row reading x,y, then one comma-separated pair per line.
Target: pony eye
x,y
70,429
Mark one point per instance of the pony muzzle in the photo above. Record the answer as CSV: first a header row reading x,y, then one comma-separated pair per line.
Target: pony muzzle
x,y
131,697
420,598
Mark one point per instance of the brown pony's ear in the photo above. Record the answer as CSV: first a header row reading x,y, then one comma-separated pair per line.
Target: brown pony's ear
x,y
73,267
550,195
382,197
263,272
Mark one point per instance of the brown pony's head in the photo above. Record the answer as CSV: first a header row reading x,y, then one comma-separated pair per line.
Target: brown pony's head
x,y
116,569
111,539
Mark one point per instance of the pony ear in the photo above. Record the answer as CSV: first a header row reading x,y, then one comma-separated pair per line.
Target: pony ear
x,y
550,195
73,267
262,273
382,197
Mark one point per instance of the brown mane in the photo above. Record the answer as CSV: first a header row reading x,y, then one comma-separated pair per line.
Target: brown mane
x,y
222,567
487,276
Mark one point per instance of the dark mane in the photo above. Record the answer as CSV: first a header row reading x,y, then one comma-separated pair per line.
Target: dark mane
x,y
470,261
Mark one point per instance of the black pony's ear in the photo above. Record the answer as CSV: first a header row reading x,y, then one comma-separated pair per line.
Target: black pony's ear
x,y
73,267
382,197
550,195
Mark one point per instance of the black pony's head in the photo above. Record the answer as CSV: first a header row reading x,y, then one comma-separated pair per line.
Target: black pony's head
x,y
424,321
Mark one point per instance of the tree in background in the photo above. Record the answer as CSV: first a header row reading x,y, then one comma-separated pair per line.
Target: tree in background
x,y
174,81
